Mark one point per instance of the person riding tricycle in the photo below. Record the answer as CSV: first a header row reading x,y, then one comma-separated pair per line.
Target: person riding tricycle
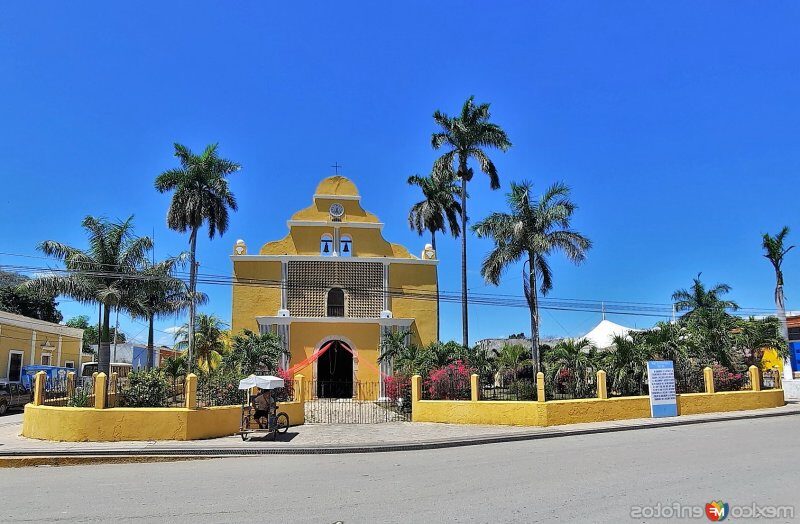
x,y
259,413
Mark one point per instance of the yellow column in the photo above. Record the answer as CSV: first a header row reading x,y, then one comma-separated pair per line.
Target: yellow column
x,y
540,386
100,391
416,396
70,384
38,388
755,378
474,387
602,390
112,390
299,388
416,389
778,378
708,378
191,391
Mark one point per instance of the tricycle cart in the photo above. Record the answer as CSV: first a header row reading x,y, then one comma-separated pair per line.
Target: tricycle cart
x,y
259,412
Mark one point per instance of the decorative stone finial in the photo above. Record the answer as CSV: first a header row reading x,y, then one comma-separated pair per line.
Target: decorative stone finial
x,y
429,253
240,248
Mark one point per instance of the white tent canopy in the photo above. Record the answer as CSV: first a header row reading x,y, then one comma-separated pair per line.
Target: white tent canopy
x,y
602,335
262,382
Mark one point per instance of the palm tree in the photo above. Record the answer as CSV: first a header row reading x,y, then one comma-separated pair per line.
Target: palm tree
x,y
754,335
436,212
532,231
481,360
102,274
774,251
698,299
579,357
467,136
406,358
256,352
208,341
201,194
626,364
511,356
174,367
159,293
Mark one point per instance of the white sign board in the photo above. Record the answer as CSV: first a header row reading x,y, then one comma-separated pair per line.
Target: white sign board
x,y
661,379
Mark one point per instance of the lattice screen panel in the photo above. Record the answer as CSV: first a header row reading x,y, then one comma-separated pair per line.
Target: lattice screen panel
x,y
309,281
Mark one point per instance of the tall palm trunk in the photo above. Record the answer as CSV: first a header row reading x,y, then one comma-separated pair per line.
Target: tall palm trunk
x,y
780,306
464,315
534,309
150,342
192,285
436,270
104,344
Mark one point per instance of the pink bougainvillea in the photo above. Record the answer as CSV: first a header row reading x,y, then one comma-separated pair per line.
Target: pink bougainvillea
x,y
450,382
286,393
398,387
725,380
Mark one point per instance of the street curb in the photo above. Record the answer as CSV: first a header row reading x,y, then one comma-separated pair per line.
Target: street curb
x,y
34,457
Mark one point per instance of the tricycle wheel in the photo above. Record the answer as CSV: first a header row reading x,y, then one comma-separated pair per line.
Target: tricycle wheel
x,y
244,436
282,423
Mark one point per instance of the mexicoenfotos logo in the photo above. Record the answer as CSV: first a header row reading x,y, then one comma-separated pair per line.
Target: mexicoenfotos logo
x,y
717,511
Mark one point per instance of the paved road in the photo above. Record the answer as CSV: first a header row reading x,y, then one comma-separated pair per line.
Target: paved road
x,y
589,478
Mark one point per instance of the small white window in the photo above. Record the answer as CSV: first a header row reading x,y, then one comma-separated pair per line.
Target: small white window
x,y
69,364
326,245
46,359
346,246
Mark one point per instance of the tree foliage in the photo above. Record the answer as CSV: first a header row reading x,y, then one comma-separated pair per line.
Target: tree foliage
x,y
17,299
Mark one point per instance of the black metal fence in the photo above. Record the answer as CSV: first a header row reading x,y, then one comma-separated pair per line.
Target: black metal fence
x,y
219,391
522,389
690,383
62,392
345,402
56,392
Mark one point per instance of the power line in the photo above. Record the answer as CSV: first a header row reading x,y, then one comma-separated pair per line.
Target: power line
x,y
489,299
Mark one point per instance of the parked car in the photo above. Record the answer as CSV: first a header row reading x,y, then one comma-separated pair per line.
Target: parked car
x,y
12,396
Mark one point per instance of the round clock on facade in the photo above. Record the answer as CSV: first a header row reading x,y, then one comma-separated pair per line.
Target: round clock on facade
x,y
337,210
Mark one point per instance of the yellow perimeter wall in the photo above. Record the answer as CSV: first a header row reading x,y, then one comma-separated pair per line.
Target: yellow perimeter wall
x,y
558,412
118,424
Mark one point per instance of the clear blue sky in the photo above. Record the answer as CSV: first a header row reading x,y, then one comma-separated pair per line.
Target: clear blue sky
x,y
675,123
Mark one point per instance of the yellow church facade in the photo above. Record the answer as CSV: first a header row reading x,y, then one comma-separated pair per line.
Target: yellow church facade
x,y
332,288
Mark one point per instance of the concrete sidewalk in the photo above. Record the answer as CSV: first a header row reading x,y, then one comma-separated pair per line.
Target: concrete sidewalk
x,y
350,438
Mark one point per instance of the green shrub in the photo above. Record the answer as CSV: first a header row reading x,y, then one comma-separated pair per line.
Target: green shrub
x,y
79,399
145,389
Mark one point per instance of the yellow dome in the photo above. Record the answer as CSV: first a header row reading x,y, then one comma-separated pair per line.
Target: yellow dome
x,y
337,185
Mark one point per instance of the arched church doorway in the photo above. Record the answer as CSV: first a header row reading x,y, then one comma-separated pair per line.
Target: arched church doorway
x,y
335,372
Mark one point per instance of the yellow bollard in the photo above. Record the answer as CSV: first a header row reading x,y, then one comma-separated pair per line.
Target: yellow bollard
x,y
38,388
755,378
708,378
416,389
776,373
299,388
190,388
112,390
602,390
100,391
474,387
540,386
70,384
